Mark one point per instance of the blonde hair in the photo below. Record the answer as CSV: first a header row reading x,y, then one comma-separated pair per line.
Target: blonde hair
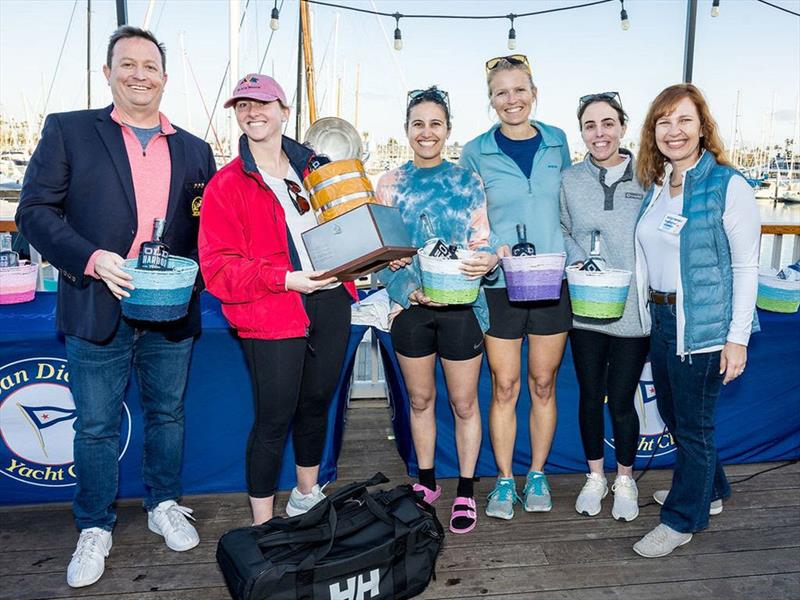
x,y
650,162
505,65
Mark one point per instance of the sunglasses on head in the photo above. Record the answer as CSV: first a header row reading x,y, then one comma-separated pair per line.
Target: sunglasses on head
x,y
441,94
514,59
584,100
300,202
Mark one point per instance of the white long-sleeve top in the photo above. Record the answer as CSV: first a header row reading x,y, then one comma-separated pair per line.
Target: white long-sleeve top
x,y
660,253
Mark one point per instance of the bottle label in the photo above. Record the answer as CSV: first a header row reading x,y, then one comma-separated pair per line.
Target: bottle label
x,y
153,257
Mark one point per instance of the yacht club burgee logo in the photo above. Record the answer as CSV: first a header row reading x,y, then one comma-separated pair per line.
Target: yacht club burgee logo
x,y
37,415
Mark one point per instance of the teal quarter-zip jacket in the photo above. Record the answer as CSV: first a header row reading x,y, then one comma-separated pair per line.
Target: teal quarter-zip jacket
x,y
513,198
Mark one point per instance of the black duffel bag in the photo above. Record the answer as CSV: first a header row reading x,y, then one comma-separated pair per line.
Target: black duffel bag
x,y
354,545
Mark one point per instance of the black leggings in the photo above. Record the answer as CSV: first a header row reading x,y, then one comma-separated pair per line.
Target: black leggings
x,y
608,366
293,381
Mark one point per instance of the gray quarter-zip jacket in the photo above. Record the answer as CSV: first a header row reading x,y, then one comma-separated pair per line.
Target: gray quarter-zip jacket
x,y
588,204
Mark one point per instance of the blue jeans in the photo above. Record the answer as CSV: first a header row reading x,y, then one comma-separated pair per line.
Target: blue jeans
x,y
686,392
99,375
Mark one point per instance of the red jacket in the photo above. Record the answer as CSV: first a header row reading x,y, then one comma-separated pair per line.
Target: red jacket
x,y
245,251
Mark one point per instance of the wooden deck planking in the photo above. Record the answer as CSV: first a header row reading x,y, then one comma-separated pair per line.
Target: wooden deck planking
x,y
750,550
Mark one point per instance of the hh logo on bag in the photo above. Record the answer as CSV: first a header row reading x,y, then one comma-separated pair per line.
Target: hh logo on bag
x,y
356,588
37,414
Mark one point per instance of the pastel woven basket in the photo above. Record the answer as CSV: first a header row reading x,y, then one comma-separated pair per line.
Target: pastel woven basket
x,y
777,295
442,281
18,284
598,294
530,278
160,295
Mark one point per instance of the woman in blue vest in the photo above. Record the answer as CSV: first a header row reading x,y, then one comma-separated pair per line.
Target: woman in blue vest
x,y
696,246
600,202
520,161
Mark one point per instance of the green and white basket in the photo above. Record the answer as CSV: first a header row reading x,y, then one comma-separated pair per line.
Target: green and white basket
x,y
442,280
777,295
598,294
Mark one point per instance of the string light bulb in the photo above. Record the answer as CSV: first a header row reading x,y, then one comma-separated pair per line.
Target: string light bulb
x,y
398,35
715,8
274,21
623,17
512,34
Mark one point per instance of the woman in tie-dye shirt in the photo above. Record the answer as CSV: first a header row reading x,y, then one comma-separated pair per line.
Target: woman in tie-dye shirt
x,y
453,200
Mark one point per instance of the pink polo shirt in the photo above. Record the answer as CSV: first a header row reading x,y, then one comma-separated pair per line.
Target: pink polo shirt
x,y
151,169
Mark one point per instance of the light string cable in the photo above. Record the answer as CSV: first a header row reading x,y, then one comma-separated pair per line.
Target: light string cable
x,y
786,10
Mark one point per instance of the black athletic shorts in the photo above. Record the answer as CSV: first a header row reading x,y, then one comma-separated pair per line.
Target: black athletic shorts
x,y
513,320
452,332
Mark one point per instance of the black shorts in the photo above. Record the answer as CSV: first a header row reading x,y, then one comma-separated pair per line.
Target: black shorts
x,y
513,320
452,332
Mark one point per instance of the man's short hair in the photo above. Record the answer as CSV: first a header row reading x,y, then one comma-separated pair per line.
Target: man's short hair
x,y
128,31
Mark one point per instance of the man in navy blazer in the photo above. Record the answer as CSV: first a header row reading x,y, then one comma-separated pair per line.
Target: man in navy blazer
x,y
95,183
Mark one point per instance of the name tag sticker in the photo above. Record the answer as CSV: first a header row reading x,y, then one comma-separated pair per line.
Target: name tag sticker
x,y
672,223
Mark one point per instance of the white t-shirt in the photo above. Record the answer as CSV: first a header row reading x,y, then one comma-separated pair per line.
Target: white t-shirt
x,y
614,174
661,249
296,222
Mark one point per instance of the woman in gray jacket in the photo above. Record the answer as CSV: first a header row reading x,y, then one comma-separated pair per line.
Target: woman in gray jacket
x,y
600,201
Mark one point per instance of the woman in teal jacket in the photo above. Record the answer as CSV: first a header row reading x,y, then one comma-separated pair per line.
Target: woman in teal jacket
x,y
520,161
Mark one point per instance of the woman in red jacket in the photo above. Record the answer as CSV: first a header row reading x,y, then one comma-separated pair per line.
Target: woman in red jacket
x,y
294,328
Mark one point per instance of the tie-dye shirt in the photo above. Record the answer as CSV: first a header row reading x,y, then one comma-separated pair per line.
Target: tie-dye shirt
x,y
453,199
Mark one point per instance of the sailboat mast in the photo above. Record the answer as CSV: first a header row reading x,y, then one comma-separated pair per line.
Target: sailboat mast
x,y
234,15
308,54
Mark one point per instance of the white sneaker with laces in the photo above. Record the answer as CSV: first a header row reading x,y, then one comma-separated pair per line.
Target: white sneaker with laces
x,y
714,509
89,559
626,499
592,494
661,541
169,519
300,503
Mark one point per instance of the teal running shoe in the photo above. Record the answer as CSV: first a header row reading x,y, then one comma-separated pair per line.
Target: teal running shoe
x,y
502,499
537,493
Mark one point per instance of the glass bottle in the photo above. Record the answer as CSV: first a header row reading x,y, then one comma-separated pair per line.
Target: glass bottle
x,y
437,246
523,247
596,262
154,255
8,258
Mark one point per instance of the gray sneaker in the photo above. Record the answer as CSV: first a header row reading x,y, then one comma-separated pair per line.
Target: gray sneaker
x,y
661,496
626,499
592,494
502,499
300,503
661,541
537,493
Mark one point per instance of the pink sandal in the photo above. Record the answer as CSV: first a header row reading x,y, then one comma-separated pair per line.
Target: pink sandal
x,y
463,507
430,496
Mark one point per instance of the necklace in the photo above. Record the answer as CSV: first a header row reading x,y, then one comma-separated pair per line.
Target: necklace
x,y
672,185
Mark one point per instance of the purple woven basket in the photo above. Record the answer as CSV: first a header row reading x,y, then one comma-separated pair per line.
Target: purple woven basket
x,y
532,278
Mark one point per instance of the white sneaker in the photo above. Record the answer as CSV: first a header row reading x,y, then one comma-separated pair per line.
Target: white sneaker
x,y
300,503
592,494
626,499
168,519
89,559
714,509
661,541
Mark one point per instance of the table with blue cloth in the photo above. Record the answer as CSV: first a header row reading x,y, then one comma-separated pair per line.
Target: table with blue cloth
x,y
757,416
37,413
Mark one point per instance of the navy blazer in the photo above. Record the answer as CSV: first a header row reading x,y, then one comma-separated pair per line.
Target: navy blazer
x,y
77,197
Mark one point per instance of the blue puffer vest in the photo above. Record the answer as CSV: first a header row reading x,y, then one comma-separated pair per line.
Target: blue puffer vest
x,y
706,272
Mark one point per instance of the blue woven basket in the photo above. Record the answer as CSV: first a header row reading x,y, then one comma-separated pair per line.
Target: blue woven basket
x,y
160,295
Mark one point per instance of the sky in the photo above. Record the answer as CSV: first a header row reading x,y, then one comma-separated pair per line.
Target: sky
x,y
750,50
